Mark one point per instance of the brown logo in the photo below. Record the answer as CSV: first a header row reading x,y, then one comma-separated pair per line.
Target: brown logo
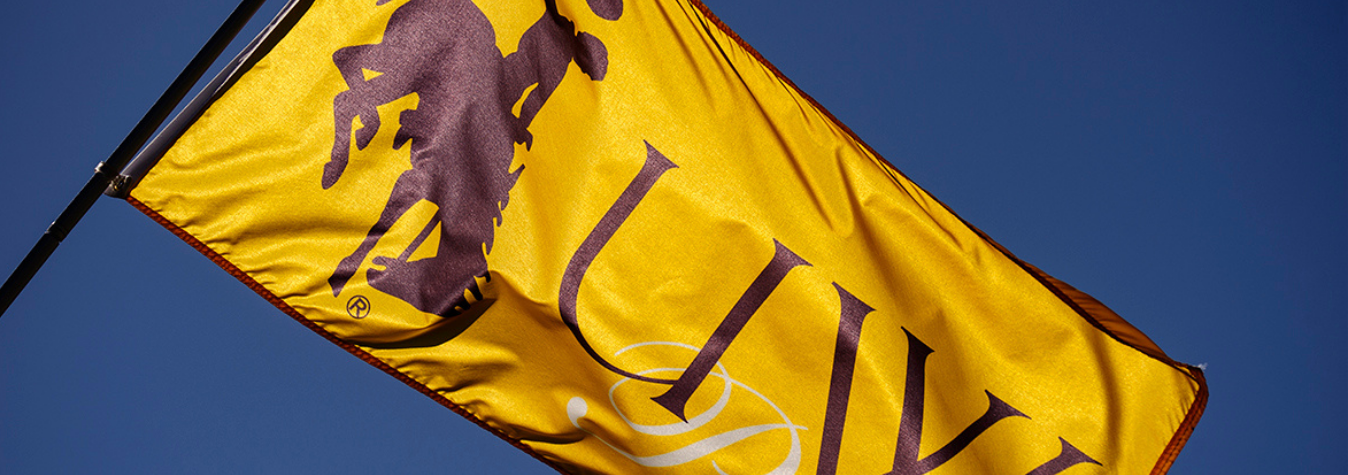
x,y
461,133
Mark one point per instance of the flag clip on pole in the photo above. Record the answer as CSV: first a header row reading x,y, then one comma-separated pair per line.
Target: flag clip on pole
x,y
110,168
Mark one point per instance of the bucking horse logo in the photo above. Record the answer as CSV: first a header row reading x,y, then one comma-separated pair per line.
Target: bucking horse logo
x,y
462,132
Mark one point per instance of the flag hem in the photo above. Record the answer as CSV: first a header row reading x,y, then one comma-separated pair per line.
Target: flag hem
x,y
1187,426
1087,307
356,351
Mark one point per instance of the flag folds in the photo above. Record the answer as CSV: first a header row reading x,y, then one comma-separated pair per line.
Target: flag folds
x,y
612,234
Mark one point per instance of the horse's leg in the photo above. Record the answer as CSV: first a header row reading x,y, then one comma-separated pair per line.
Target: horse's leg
x,y
437,284
361,100
411,187
352,59
434,284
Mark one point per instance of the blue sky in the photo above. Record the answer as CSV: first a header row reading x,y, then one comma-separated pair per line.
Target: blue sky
x,y
1184,162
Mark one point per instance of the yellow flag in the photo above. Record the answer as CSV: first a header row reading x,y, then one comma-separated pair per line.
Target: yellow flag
x,y
612,234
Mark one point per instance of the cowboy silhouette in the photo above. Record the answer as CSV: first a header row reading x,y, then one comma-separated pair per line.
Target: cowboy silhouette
x,y
462,132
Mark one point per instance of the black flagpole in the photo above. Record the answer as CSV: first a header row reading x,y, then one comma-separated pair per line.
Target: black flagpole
x,y
110,168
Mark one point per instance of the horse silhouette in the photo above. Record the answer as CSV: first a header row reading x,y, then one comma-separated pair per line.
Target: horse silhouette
x,y
461,133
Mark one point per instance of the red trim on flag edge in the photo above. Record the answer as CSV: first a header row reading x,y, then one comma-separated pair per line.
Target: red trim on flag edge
x,y
1186,428
1098,315
353,349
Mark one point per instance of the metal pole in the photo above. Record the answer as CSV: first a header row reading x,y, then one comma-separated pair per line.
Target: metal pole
x,y
111,167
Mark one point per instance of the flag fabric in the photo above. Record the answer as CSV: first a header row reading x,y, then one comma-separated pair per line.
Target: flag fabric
x,y
612,234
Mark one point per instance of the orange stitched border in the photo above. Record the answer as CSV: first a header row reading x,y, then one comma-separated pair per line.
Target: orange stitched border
x,y
1186,428
1099,316
353,349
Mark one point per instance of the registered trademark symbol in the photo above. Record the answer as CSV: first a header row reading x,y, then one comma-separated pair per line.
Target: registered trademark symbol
x,y
358,307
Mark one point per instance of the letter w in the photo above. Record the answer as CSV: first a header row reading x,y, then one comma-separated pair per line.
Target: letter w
x,y
906,459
